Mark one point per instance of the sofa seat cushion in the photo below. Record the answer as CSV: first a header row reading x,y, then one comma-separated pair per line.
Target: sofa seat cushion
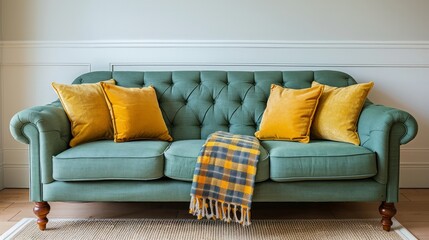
x,y
319,160
181,157
107,160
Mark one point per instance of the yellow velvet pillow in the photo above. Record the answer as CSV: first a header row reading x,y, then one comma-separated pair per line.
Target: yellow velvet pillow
x,y
135,113
338,112
289,114
87,111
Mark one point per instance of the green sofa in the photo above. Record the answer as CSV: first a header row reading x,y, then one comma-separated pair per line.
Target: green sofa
x,y
195,104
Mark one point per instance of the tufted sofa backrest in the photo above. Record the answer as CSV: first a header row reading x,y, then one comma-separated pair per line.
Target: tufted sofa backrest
x,y
197,103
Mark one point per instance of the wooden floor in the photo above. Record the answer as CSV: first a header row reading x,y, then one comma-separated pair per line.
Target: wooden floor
x,y
413,210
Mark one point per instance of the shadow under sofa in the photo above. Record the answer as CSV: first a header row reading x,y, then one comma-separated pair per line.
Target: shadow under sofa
x,y
195,104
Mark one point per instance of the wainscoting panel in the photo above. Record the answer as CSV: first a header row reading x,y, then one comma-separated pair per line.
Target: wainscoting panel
x,y
400,71
16,176
18,156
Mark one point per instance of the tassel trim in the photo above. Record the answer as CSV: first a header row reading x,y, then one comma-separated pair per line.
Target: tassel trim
x,y
214,209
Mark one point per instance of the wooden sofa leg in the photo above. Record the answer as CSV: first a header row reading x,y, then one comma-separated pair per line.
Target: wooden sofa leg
x,y
41,209
387,211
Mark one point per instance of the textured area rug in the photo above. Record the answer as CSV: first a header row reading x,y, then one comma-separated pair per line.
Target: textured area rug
x,y
189,229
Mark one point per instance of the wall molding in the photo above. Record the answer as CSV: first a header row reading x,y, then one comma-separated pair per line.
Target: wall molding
x,y
255,64
219,44
20,64
414,149
16,165
414,165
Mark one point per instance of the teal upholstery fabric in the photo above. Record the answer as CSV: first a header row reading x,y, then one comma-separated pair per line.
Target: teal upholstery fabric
x,y
165,190
319,160
320,191
47,130
107,160
181,157
382,130
197,103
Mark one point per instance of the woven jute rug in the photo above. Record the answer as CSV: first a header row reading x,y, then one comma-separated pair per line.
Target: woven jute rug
x,y
188,229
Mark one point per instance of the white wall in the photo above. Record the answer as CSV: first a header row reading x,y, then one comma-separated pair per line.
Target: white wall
x,y
305,20
385,41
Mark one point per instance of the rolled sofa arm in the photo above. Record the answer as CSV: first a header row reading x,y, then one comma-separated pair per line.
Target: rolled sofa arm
x,y
47,131
383,129
48,118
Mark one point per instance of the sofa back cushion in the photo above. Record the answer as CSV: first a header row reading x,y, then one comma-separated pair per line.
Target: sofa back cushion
x,y
197,103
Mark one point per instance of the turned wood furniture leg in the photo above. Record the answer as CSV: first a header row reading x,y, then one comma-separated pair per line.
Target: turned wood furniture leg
x,y
387,211
41,209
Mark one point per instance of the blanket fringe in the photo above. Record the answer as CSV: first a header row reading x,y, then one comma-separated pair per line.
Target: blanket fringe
x,y
213,209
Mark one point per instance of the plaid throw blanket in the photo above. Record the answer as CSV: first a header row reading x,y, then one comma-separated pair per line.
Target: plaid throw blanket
x,y
224,176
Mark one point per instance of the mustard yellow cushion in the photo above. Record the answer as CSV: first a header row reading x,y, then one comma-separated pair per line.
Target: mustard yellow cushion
x,y
135,113
338,112
289,114
87,111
